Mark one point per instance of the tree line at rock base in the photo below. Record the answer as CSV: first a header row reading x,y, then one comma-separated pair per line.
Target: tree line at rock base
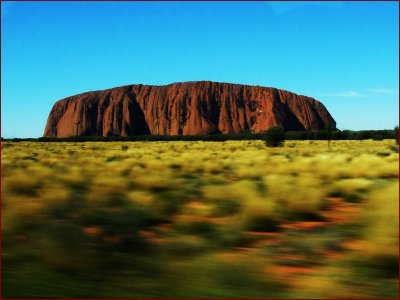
x,y
288,135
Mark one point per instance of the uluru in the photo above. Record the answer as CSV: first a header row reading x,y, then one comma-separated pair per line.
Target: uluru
x,y
186,108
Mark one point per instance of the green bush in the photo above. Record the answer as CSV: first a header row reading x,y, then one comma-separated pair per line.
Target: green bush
x,y
262,224
226,207
377,137
275,136
204,229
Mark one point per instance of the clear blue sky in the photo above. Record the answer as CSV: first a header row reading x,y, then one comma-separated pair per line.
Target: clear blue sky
x,y
343,54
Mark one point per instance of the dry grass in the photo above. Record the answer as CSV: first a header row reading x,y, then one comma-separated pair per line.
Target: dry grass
x,y
228,219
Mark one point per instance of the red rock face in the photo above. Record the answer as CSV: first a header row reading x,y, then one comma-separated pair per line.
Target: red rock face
x,y
186,108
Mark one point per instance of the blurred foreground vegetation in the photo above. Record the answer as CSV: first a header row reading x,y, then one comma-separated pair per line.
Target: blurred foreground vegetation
x,y
200,219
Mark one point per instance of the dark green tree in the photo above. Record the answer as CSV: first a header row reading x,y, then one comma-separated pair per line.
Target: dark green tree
x,y
275,136
329,134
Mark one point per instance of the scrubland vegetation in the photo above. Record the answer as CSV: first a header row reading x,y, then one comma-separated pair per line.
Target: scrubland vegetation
x,y
327,134
200,219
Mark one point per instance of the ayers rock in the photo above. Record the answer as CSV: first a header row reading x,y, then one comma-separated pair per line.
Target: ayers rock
x,y
188,108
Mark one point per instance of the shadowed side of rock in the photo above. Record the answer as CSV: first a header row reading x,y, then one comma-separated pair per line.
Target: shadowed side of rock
x,y
188,108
